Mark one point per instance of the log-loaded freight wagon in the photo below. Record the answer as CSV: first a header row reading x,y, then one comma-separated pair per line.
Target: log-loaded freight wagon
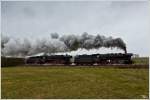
x,y
98,59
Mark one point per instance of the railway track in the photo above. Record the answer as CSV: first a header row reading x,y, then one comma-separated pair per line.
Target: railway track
x,y
92,66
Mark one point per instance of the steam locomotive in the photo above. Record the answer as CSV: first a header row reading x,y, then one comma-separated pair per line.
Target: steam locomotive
x,y
98,59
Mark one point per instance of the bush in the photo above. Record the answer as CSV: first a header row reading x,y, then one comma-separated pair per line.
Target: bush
x,y
11,61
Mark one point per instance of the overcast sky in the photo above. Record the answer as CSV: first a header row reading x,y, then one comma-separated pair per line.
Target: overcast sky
x,y
127,19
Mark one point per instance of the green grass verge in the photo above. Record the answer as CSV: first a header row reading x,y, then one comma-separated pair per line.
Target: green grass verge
x,y
141,60
73,82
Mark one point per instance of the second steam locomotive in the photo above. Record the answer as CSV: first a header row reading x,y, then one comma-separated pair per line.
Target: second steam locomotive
x,y
94,59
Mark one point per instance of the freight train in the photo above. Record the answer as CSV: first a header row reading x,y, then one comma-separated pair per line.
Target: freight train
x,y
94,59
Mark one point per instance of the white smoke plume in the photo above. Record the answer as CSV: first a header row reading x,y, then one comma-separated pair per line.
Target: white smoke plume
x,y
55,44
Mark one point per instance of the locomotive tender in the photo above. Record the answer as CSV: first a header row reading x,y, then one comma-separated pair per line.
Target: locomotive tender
x,y
98,59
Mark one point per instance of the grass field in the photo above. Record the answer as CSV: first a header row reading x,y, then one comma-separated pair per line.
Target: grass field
x,y
141,60
73,82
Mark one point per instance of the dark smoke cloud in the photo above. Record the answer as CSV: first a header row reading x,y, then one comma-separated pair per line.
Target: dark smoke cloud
x,y
88,41
71,41
54,35
56,43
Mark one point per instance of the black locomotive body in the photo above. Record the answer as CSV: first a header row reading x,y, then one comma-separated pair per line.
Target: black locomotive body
x,y
58,59
85,59
114,58
53,59
35,60
98,59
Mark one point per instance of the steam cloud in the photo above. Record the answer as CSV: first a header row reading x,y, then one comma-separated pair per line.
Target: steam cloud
x,y
56,43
